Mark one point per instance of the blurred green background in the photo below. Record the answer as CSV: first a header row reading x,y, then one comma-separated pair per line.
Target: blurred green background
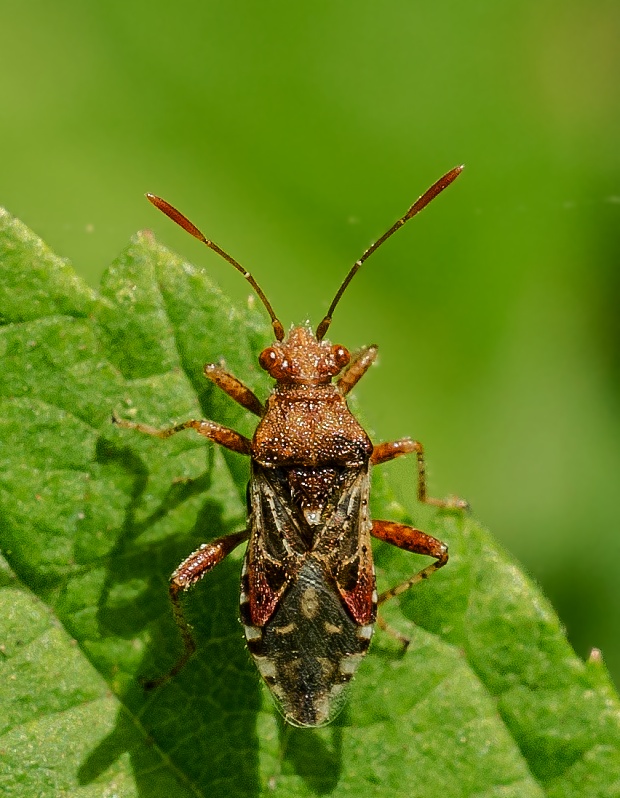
x,y
296,133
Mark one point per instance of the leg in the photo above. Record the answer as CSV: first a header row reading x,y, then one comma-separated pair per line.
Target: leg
x,y
234,388
187,574
388,451
410,539
210,429
360,364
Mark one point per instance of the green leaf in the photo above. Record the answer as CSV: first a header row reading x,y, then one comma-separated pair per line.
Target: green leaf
x,y
489,700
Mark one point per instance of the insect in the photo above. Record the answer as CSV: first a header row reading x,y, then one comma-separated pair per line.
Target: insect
x,y
308,600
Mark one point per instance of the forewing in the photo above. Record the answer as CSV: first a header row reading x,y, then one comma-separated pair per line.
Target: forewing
x,y
275,551
345,544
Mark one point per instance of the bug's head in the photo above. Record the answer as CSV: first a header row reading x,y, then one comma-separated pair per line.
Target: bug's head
x,y
302,359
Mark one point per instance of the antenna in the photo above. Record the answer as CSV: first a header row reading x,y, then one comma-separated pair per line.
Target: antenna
x,y
417,206
185,223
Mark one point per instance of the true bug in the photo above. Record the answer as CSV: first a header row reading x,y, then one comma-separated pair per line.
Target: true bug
x,y
308,599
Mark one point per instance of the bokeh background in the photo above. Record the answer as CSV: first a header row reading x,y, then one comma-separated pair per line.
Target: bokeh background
x,y
296,133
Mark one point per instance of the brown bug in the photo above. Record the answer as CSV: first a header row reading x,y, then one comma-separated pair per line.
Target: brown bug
x,y
308,598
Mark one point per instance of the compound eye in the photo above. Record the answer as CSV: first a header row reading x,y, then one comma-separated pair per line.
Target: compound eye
x,y
341,356
268,358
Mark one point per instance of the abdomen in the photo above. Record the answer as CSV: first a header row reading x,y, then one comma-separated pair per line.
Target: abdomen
x,y
309,649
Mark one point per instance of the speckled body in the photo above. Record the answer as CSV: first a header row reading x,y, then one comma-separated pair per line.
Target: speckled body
x,y
311,426
308,597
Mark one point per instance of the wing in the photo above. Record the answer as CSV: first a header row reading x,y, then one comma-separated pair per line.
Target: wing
x,y
276,551
278,547
345,546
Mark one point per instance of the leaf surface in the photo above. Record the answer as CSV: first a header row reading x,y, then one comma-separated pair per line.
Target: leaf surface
x,y
488,701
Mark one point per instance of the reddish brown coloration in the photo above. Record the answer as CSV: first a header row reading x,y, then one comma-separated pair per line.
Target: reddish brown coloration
x,y
302,360
409,538
205,558
307,421
417,206
356,584
234,387
388,451
308,597
190,227
307,437
360,364
197,565
224,436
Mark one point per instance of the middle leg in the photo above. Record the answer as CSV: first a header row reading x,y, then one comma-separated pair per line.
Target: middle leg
x,y
383,452
359,365
218,433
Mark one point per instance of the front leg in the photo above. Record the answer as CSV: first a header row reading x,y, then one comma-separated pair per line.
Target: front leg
x,y
224,436
384,452
187,574
234,388
418,542
358,366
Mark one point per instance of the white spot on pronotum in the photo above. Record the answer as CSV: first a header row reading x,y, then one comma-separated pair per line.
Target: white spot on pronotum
x,y
365,632
375,597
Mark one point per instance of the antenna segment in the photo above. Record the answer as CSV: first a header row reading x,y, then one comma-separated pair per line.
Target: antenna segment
x,y
191,228
417,206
